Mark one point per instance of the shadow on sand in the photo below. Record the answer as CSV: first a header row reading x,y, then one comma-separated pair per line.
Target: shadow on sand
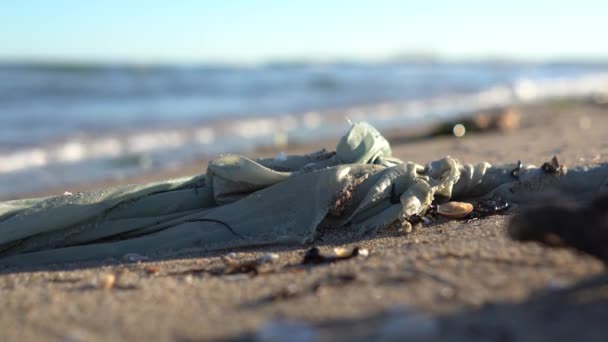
x,y
576,313
333,237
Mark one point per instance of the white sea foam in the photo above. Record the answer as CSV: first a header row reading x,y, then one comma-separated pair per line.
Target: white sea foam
x,y
23,159
204,135
311,120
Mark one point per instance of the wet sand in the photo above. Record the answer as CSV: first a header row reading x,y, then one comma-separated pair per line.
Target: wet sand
x,y
446,280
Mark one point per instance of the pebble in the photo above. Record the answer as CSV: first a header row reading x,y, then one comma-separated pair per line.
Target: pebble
x,y
229,258
406,227
342,252
231,255
108,281
268,258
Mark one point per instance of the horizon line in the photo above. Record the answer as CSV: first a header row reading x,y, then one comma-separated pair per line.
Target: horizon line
x,y
410,58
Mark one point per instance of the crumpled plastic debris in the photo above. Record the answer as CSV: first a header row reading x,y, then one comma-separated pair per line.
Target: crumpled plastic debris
x,y
241,202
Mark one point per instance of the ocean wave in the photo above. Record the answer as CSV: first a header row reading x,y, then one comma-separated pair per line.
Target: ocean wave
x,y
238,134
95,155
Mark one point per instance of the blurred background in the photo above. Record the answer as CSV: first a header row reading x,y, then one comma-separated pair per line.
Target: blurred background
x,y
111,89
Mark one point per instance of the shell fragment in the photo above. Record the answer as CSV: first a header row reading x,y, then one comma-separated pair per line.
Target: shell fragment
x,y
455,210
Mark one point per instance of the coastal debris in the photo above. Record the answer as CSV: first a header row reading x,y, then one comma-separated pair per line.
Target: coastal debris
x,y
314,257
494,205
242,202
491,206
583,227
455,210
553,167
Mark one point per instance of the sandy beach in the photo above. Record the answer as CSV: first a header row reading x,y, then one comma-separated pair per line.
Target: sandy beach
x,y
447,280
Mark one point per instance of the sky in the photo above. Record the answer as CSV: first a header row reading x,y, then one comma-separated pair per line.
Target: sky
x,y
240,31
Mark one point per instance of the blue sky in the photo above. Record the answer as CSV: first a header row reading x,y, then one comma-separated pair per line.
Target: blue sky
x,y
240,31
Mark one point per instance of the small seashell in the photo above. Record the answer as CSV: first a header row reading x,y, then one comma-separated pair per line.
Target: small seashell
x,y
342,252
455,210
188,279
267,258
229,258
406,227
363,252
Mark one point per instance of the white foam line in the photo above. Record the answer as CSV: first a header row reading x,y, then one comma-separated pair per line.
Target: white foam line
x,y
24,159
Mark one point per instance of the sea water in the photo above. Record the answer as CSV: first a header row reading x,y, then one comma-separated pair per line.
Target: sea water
x,y
62,124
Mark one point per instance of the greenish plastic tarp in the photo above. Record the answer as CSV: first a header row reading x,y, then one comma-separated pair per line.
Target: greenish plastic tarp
x,y
241,202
